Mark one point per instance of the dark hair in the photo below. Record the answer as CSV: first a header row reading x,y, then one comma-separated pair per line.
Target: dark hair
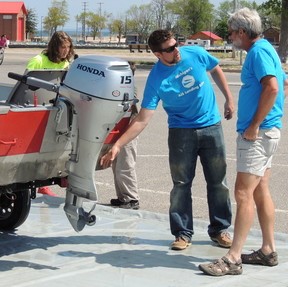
x,y
157,38
56,41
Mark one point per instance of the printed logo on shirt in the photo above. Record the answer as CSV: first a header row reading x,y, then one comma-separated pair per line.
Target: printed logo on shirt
x,y
188,81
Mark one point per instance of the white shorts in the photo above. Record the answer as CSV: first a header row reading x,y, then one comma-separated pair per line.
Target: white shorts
x,y
256,156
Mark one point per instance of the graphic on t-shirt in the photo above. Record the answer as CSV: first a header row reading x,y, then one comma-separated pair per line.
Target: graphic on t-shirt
x,y
188,81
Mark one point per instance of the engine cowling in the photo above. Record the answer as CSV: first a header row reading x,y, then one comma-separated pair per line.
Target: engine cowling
x,y
101,90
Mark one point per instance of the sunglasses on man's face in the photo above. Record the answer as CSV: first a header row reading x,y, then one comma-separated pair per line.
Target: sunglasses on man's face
x,y
169,49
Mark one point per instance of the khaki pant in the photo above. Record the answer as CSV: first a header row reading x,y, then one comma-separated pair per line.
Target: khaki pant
x,y
124,170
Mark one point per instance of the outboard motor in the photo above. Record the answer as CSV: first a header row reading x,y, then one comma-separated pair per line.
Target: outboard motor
x,y
101,90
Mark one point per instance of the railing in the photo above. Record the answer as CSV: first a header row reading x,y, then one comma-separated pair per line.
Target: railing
x,y
139,47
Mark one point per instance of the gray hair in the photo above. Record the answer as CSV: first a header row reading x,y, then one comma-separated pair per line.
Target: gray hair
x,y
248,20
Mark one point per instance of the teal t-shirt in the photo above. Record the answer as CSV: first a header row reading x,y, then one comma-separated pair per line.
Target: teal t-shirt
x,y
185,89
41,61
261,60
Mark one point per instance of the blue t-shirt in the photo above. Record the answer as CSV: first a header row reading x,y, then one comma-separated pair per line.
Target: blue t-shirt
x,y
185,90
261,60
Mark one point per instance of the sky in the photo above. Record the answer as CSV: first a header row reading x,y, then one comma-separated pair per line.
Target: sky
x,y
76,7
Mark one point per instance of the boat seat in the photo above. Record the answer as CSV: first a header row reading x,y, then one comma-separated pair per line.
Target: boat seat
x,y
22,95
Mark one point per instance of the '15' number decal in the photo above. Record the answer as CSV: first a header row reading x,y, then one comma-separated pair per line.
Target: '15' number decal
x,y
126,80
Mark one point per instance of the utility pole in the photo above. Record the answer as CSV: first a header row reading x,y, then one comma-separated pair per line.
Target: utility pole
x,y
41,36
84,22
100,14
234,10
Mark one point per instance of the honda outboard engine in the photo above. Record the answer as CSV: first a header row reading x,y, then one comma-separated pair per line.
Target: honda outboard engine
x,y
101,90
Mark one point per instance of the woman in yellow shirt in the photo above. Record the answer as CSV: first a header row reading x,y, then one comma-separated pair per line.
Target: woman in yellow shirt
x,y
58,55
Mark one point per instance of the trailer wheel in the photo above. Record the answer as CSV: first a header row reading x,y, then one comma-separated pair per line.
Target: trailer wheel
x,y
14,209
1,55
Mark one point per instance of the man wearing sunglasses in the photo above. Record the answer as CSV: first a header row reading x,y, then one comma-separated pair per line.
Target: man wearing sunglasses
x,y
181,81
259,123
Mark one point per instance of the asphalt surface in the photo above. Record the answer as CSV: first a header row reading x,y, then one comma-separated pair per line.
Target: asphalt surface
x,y
152,161
124,248
131,248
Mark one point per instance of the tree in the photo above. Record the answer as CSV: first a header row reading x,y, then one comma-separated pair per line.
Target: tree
x,y
227,7
280,7
222,29
31,22
283,45
140,20
57,16
117,26
95,23
193,15
224,10
161,13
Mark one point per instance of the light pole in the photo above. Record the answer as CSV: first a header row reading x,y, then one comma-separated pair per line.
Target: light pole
x,y
41,33
77,28
100,6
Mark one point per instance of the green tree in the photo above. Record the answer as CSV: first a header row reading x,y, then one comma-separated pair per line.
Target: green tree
x,y
224,10
221,29
117,27
95,24
140,20
57,16
280,7
31,23
227,7
193,15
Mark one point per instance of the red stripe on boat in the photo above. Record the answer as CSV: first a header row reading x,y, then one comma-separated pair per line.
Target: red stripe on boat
x,y
22,132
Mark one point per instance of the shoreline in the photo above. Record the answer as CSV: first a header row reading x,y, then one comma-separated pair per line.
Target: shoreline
x,y
143,60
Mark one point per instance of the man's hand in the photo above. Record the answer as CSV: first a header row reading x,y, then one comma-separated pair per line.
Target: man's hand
x,y
107,159
228,110
251,133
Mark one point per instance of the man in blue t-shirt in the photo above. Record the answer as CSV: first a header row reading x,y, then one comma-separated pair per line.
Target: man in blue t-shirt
x,y
260,109
180,80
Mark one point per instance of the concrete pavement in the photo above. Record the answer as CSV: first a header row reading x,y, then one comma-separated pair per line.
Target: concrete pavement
x,y
130,248
124,249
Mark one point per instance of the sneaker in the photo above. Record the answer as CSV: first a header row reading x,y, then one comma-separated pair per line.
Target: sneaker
x,y
223,239
222,267
259,258
46,190
132,204
180,243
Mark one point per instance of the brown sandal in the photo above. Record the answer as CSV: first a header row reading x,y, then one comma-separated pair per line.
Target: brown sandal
x,y
222,267
259,258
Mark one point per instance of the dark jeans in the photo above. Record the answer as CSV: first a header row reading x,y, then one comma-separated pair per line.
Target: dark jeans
x,y
185,145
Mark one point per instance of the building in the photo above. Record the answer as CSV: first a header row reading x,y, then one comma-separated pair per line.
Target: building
x,y
272,35
206,35
132,38
13,20
198,42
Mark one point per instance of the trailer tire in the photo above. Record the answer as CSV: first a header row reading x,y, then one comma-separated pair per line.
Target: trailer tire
x,y
14,209
1,55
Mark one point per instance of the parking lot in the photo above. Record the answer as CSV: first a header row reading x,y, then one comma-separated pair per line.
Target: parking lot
x,y
152,162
